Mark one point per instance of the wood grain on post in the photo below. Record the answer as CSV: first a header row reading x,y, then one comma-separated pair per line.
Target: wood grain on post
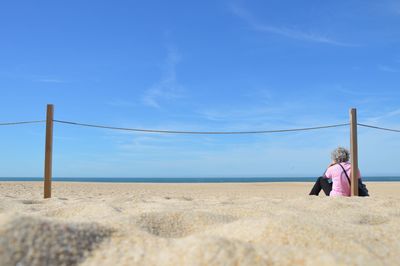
x,y
354,152
48,151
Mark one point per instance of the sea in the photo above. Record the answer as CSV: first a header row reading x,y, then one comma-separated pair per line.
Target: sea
x,y
190,179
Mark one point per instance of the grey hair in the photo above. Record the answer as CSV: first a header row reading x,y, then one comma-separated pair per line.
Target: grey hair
x,y
340,155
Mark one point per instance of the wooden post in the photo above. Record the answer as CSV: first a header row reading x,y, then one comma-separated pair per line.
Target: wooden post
x,y
354,152
48,151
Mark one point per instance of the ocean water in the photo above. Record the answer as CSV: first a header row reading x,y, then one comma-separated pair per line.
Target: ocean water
x,y
190,180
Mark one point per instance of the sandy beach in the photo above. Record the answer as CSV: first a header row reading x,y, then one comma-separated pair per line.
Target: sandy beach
x,y
196,224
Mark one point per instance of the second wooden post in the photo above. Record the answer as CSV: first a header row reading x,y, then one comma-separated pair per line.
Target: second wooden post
x,y
354,152
48,151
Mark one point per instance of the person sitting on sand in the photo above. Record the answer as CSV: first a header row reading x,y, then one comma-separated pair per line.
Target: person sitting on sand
x,y
335,182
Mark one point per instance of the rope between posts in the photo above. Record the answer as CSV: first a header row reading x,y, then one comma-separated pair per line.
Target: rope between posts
x,y
200,132
21,122
380,128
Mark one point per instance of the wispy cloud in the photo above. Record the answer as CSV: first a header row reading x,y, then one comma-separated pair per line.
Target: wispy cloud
x,y
292,33
51,80
238,114
46,79
120,103
360,92
167,88
394,6
388,69
17,74
384,116
264,95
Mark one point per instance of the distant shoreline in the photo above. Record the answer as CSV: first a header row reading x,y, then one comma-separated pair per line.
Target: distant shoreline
x,y
186,180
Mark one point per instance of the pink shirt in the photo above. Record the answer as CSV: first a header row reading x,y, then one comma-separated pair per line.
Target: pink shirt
x,y
340,184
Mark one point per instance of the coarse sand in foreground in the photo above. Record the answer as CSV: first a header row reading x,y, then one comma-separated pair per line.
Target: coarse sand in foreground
x,y
196,224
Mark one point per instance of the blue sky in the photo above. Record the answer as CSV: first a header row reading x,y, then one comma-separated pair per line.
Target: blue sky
x,y
198,65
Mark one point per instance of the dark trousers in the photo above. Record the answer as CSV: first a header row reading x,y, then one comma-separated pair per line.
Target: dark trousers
x,y
321,184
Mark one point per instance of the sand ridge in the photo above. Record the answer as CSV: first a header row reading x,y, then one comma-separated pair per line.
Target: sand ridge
x,y
196,224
